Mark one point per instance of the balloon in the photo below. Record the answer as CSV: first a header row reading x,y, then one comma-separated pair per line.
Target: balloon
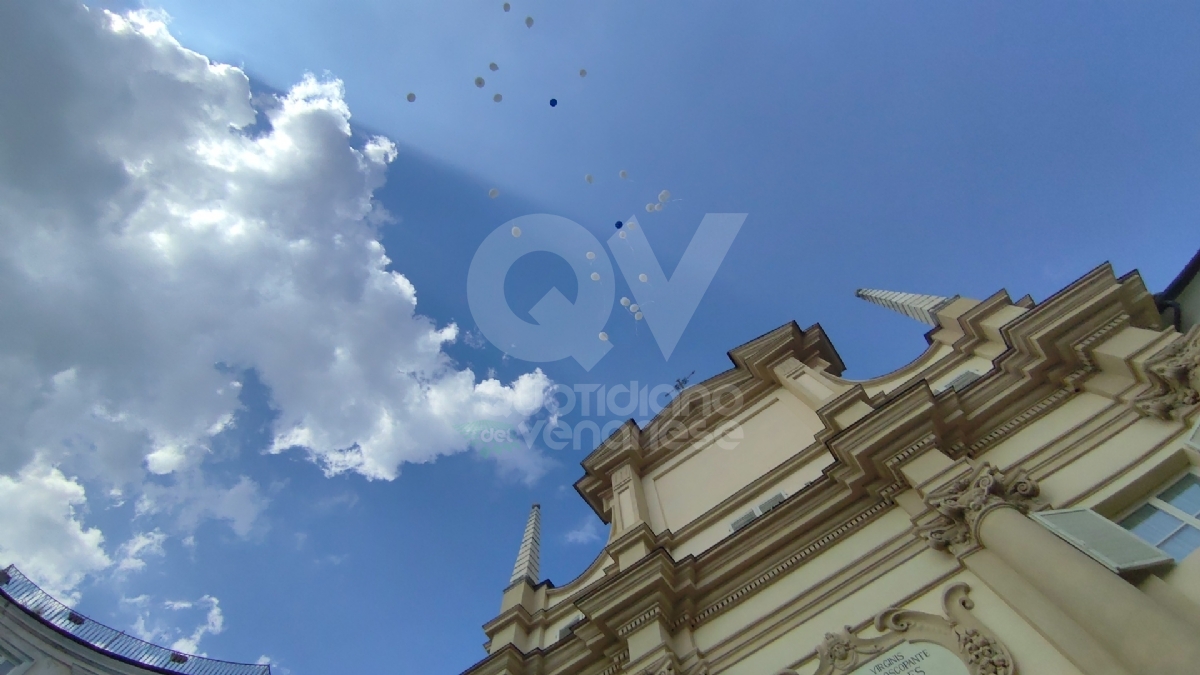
x,y
621,234
494,67
664,196
582,72
411,97
516,231
604,336
658,207
553,102
623,174
643,278
497,98
595,276
591,256
620,224
529,21
493,193
649,208
624,302
479,82
638,316
588,178
507,6
633,308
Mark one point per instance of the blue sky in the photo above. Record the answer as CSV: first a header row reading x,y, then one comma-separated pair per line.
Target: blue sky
x,y
932,147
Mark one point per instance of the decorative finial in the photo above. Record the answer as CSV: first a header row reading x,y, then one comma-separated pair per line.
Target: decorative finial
x,y
528,556
923,308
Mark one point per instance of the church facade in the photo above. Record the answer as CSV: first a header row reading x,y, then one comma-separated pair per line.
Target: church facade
x,y
1024,497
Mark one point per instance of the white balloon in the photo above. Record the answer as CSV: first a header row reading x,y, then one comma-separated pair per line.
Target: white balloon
x,y
658,207
479,82
516,231
588,178
623,174
591,255
529,21
494,67
643,278
624,302
638,316
595,276
649,208
493,193
621,234
633,308
411,97
631,226
604,336
497,98
582,72
664,196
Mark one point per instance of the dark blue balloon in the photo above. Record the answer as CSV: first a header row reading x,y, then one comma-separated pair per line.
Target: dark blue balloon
x,y
620,224
553,102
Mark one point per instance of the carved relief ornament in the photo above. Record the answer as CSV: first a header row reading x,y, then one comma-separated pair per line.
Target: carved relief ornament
x,y
1175,375
961,505
959,632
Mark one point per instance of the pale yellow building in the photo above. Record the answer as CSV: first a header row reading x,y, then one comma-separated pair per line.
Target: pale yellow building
x,y
1024,497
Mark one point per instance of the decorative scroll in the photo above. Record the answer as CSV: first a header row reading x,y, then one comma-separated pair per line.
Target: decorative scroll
x,y
959,632
1175,375
962,504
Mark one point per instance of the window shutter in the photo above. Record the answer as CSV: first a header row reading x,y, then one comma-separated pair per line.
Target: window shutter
x,y
566,630
1106,542
771,503
744,521
961,381
1193,439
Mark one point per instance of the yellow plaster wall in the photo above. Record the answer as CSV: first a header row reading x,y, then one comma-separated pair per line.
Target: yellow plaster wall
x,y
1045,430
789,485
689,487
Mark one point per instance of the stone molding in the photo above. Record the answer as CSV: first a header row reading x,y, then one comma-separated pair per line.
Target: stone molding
x,y
962,504
820,544
639,621
1174,374
959,631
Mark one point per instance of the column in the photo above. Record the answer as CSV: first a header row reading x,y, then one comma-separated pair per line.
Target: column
x,y
990,507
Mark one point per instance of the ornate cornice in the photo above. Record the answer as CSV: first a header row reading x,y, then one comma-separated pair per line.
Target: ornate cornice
x,y
958,631
639,621
962,504
818,545
1174,374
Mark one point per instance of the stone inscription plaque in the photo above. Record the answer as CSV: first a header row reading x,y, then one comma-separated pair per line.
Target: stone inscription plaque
x,y
915,658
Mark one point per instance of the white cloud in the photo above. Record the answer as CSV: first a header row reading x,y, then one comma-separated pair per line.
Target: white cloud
x,y
586,533
214,623
154,630
144,238
140,545
42,533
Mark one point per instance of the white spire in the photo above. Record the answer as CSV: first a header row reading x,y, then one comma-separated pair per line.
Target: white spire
x,y
527,557
923,308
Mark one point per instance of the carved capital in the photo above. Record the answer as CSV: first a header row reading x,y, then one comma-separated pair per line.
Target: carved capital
x,y
1174,374
961,505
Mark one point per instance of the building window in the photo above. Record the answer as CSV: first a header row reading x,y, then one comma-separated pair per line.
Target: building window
x,y
1170,520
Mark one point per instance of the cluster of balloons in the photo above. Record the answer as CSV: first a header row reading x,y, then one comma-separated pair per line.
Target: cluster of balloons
x,y
663,197
633,308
